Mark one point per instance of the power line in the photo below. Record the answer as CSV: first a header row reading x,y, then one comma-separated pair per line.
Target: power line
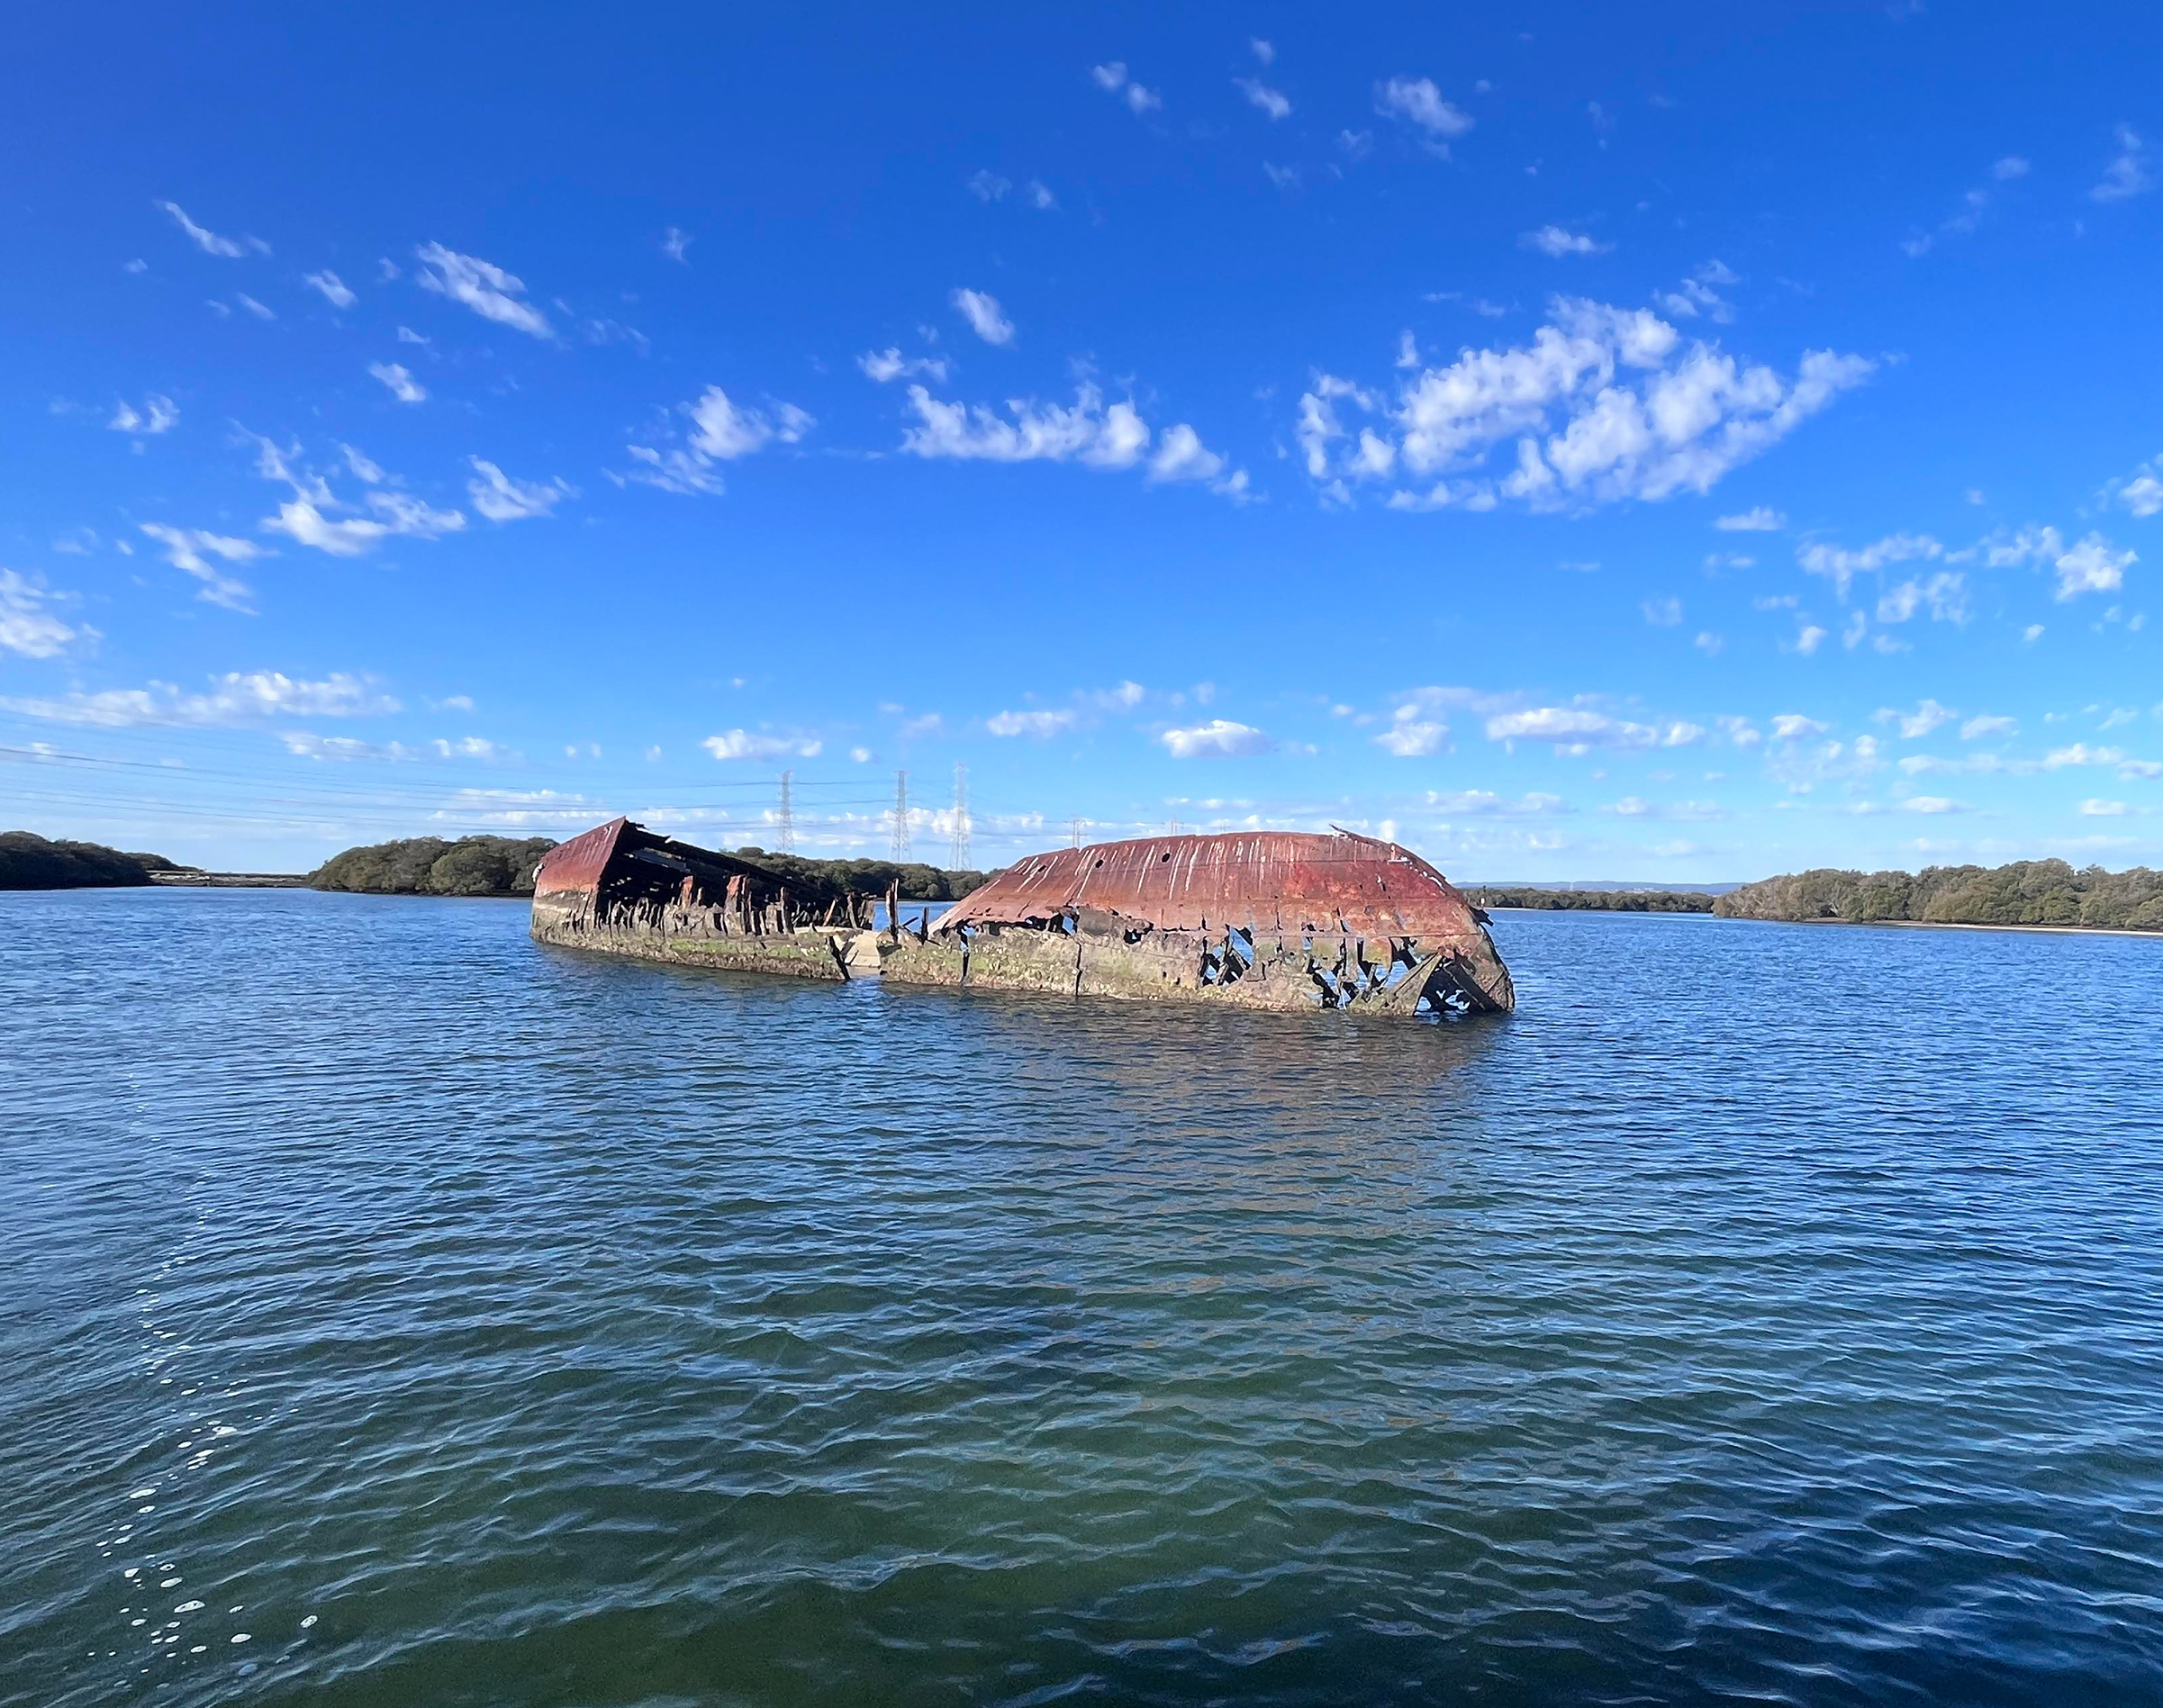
x,y
960,861
900,814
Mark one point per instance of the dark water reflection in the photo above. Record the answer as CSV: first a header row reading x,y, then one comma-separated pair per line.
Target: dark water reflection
x,y
392,1312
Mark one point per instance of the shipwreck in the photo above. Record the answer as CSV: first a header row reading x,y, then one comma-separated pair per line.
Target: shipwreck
x,y
1256,920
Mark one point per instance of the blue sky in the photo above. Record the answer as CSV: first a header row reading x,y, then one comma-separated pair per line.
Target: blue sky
x,y
1579,442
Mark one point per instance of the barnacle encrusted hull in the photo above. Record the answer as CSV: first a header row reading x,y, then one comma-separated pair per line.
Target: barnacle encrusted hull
x,y
1266,919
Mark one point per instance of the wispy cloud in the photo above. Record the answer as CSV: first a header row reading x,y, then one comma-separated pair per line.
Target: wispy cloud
x,y
721,430
1416,101
2129,172
29,626
499,498
1553,241
1112,76
158,414
190,549
403,387
208,241
1274,102
1089,432
743,744
236,698
889,364
986,318
335,290
482,286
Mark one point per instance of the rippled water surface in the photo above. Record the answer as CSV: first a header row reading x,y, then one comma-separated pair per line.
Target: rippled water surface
x,y
392,1311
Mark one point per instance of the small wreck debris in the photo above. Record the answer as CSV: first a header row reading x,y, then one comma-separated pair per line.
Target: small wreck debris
x,y
621,889
1261,919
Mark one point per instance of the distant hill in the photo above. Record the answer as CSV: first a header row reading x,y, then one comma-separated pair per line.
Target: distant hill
x,y
2028,892
29,861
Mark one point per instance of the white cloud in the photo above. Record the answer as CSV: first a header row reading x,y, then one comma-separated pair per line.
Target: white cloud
x,y
2011,167
1273,102
741,743
889,364
362,465
1265,51
1576,730
1930,804
1553,241
1662,613
1984,725
1841,565
261,310
406,335
1604,404
1040,724
1181,455
1411,736
2003,549
335,290
1111,78
1219,738
1415,100
482,286
2127,174
500,499
1793,726
1761,520
1945,593
2093,809
721,430
989,187
1041,197
980,310
209,242
1809,639
674,243
1088,432
403,387
157,415
192,548
395,514
2141,492
2092,566
235,698
28,627
1927,719
727,430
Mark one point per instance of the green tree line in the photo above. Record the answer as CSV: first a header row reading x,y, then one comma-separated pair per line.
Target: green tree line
x,y
505,866
29,861
2028,892
1593,901
431,866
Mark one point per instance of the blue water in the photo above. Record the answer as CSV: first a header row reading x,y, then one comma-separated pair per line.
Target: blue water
x,y
394,1312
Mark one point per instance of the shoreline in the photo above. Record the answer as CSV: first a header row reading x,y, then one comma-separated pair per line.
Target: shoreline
x,y
1958,925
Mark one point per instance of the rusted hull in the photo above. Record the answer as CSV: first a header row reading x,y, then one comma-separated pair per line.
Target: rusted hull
x,y
1263,921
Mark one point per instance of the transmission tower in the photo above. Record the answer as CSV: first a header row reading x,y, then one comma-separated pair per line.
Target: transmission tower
x,y
1074,834
900,814
787,824
960,861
